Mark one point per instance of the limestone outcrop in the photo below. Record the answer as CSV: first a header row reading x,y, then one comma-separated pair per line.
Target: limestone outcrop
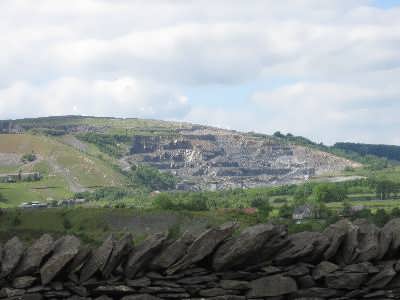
x,y
211,158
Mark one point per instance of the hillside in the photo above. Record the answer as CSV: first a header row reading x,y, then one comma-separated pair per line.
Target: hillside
x,y
76,153
65,168
390,152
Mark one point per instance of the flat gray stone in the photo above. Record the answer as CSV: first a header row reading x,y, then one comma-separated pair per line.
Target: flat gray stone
x,y
98,259
173,252
120,251
203,246
241,250
272,286
66,248
33,257
141,256
12,254
23,282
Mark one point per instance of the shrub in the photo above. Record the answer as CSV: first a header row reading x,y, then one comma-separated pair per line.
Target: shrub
x,y
164,201
261,203
29,157
152,178
67,223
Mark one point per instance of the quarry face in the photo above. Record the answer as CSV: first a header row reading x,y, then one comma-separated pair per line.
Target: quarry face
x,y
214,159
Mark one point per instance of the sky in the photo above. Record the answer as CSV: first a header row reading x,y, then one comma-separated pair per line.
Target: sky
x,y
325,69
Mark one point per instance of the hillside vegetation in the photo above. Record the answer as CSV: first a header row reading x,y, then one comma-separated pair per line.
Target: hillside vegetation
x,y
390,152
64,168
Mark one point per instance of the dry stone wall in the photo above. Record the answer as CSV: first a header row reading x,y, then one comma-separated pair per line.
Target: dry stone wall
x,y
349,260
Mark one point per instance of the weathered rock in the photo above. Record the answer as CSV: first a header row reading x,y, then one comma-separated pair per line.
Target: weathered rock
x,y
24,282
165,283
323,269
272,286
173,252
317,293
57,294
143,254
138,283
203,246
120,251
336,234
365,267
103,297
161,289
245,248
345,281
78,290
38,289
79,260
382,279
10,293
217,292
298,270
234,285
114,290
140,297
349,250
29,297
228,297
65,250
34,255
368,240
306,282
98,259
389,239
303,246
174,295
12,254
198,279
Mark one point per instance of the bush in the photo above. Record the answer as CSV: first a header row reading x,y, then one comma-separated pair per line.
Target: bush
x,y
196,202
164,201
2,198
16,220
67,223
261,203
326,192
285,211
152,178
29,157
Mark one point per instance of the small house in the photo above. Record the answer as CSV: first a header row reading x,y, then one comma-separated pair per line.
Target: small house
x,y
303,212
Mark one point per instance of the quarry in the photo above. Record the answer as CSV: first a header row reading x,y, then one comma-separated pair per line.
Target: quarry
x,y
215,159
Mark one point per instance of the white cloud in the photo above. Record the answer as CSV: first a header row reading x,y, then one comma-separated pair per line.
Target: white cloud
x,y
120,97
339,61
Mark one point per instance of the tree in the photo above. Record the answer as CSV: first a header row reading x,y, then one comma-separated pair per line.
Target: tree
x,y
164,201
346,207
326,192
261,202
302,192
152,178
197,202
285,211
2,198
278,134
384,188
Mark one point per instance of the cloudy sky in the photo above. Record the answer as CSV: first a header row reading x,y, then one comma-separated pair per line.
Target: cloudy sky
x,y
325,69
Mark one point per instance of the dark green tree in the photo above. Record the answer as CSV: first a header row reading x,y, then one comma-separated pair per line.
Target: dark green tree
x,y
261,202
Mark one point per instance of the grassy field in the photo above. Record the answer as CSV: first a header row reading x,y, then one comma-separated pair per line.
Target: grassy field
x,y
65,169
94,224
